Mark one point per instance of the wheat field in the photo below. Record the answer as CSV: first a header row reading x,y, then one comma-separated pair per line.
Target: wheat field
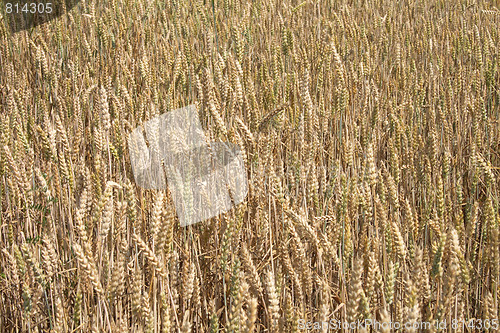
x,y
370,132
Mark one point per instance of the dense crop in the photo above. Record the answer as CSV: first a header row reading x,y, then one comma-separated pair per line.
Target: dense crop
x,y
371,135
